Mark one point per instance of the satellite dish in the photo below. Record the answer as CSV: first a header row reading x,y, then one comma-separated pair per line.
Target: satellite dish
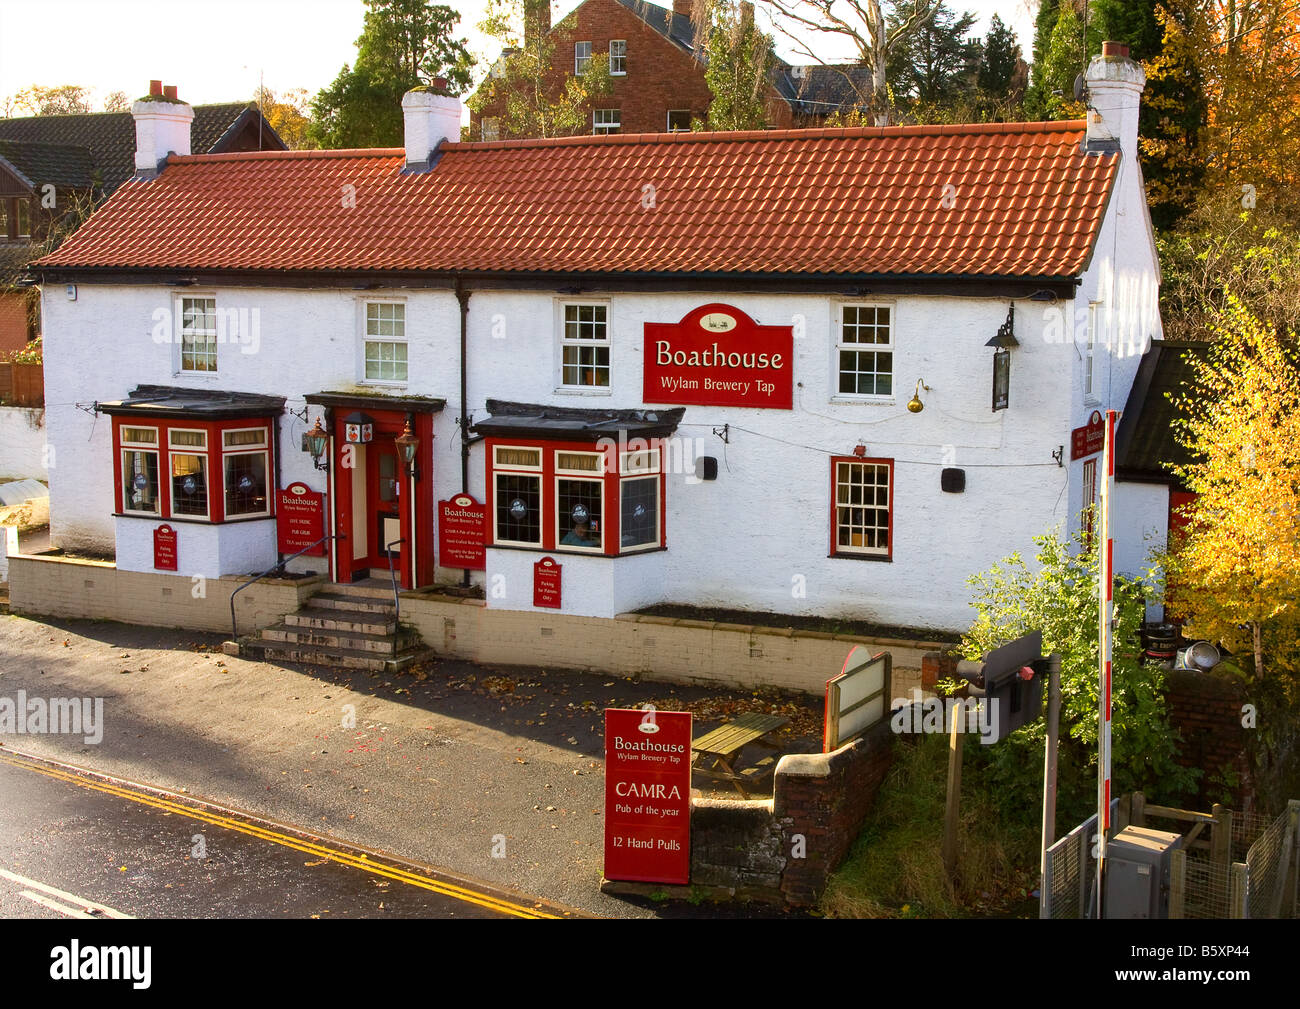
x,y
1080,88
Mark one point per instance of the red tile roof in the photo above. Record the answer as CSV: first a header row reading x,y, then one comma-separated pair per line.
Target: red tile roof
x,y
1025,201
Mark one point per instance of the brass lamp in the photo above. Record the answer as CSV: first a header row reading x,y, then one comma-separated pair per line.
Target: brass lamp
x,y
914,405
317,441
407,445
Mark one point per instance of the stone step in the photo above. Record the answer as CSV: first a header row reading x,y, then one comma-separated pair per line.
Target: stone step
x,y
380,644
347,658
352,621
359,591
357,603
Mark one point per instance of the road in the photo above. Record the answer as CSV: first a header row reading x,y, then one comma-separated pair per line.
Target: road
x,y
83,846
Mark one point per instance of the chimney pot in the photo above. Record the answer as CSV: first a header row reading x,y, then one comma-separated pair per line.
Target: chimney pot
x,y
155,88
1114,49
170,92
439,84
682,7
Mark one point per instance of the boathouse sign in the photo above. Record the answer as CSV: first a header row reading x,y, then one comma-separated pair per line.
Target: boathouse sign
x,y
718,356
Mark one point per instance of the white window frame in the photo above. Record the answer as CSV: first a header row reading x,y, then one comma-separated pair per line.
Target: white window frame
x,y
1090,396
124,447
518,469
215,356
586,477
201,452
598,456
885,552
618,58
581,59
668,122
562,340
490,129
891,347
366,338
642,462
263,450
605,129
23,215
657,477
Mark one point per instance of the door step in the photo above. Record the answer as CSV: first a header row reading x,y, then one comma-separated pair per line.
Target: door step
x,y
338,658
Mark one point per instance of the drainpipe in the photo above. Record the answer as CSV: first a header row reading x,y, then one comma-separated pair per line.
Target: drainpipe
x,y
462,296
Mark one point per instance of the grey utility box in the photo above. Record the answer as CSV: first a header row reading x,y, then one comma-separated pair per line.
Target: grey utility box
x,y
1137,872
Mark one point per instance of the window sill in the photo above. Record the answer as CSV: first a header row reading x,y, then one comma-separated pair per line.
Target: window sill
x,y
566,390
862,557
845,399
193,521
379,383
214,375
631,552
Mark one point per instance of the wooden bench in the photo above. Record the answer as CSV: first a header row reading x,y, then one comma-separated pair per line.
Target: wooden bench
x,y
715,753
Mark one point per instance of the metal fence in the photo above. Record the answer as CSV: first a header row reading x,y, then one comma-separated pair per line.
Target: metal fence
x,y
1273,875
1070,872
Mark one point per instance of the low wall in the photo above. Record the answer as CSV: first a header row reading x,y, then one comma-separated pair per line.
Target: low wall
x,y
655,648
97,590
22,443
1207,712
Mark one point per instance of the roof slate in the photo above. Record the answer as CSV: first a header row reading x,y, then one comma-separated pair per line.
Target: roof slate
x,y
110,136
1026,201
1146,438
63,165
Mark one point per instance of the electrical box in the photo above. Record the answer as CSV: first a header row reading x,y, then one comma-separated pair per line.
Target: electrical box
x,y
1137,873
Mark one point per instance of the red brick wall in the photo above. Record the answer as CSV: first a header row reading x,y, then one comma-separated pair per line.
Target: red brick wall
x,y
1206,711
660,76
13,321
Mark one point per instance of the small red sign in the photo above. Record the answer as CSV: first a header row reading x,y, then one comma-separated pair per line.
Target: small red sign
x,y
300,520
648,795
164,548
718,356
462,533
546,583
1089,439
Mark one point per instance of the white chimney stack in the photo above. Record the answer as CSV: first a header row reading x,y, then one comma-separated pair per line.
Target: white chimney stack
x,y
430,116
162,127
1115,85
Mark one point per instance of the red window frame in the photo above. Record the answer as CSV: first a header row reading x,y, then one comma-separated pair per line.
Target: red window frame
x,y
609,475
836,550
215,453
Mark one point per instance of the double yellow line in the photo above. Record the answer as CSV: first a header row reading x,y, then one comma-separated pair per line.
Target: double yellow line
x,y
497,904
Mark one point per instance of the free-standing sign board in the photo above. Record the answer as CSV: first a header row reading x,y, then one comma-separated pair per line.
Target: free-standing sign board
x,y
648,795
300,520
462,533
1089,439
546,583
164,548
856,698
718,356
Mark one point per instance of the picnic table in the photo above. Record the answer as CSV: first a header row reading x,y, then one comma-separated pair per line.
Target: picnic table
x,y
715,753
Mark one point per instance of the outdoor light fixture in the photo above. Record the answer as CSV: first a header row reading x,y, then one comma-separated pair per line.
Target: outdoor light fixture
x,y
1002,344
407,445
317,439
914,405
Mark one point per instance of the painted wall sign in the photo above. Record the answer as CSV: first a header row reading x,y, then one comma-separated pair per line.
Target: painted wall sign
x,y
300,520
462,533
648,795
164,548
359,434
546,583
1089,439
718,356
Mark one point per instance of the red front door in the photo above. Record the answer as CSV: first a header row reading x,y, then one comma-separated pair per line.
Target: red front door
x,y
383,507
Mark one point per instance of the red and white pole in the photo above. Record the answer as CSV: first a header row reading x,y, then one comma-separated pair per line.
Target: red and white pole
x,y
1105,616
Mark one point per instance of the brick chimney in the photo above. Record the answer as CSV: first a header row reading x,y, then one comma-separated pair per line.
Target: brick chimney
x,y
682,7
1115,85
537,20
430,116
162,127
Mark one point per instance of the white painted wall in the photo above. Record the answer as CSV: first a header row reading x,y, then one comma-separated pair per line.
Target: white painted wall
x,y
22,443
1141,526
235,548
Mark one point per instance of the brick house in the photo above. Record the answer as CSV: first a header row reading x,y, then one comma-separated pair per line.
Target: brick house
x,y
658,72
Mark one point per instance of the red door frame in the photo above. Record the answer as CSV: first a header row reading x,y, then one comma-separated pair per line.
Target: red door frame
x,y
415,568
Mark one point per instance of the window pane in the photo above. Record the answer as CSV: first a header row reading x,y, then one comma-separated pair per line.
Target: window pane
x,y
189,439
140,481
578,513
234,439
639,512
578,460
518,457
862,507
518,507
140,435
189,485
246,483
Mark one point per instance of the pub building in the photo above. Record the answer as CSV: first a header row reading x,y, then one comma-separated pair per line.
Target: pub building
x,y
826,372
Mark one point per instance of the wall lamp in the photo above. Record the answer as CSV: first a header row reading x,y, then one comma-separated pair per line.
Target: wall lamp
x,y
407,445
914,405
317,441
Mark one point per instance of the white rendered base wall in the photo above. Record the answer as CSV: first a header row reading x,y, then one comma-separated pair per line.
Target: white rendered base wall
x,y
235,548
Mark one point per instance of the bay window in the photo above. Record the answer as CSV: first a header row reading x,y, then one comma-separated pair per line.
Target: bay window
x,y
245,457
139,470
862,512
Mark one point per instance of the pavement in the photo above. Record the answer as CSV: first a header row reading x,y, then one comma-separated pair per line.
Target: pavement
x,y
492,773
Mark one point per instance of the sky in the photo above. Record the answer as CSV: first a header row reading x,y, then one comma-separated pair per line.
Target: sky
x,y
215,50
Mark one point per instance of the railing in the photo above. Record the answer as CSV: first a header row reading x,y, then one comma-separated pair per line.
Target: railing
x,y
397,603
234,629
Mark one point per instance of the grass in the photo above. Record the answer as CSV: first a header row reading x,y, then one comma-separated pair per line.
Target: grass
x,y
895,869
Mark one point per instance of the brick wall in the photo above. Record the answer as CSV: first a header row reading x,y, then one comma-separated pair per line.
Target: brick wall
x,y
1206,711
13,321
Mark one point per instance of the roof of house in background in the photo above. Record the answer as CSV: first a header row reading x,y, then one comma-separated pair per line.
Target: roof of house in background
x,y
817,89
110,136
35,164
676,27
1027,202
1147,438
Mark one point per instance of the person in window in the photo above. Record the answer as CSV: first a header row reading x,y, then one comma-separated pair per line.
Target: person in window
x,y
580,534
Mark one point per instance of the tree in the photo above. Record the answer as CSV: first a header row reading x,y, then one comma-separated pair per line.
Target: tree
x,y
404,44
1065,58
117,101
523,92
863,25
289,115
66,99
999,60
1237,567
740,63
938,61
1057,595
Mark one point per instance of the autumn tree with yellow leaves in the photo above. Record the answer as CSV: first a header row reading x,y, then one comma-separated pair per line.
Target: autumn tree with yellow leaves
x,y
1237,567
